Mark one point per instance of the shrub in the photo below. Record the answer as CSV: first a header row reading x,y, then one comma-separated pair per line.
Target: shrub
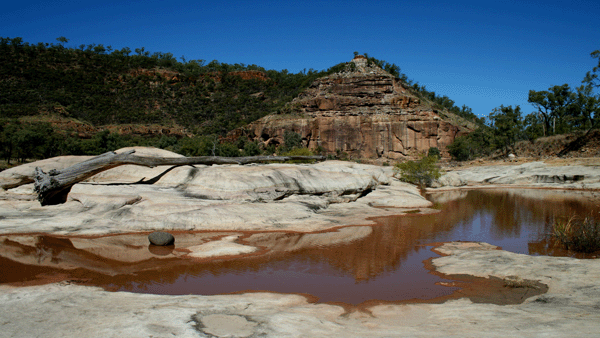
x,y
291,140
299,152
433,151
460,149
319,150
578,235
421,172
251,149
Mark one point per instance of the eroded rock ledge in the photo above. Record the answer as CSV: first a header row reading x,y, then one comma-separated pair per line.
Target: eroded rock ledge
x,y
532,174
294,197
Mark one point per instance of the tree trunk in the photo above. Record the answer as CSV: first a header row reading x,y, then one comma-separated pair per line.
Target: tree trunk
x,y
54,186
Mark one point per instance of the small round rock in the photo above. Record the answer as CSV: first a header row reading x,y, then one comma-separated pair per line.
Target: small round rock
x,y
161,238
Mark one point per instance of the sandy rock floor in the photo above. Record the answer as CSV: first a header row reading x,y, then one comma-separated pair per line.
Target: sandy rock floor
x,y
290,198
571,306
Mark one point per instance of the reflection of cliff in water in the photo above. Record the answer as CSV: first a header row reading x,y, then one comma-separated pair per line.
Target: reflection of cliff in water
x,y
350,264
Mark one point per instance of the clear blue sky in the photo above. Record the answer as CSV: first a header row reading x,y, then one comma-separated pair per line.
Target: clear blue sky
x,y
479,53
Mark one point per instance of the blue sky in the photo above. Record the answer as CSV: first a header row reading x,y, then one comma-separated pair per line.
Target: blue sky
x,y
481,54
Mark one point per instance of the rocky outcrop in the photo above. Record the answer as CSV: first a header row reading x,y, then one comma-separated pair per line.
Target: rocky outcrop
x,y
532,174
296,197
363,111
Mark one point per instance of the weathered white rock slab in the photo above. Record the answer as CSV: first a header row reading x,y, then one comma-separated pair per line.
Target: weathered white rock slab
x,y
297,197
533,174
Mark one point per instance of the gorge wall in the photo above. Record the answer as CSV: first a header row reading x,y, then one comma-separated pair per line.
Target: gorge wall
x,y
362,111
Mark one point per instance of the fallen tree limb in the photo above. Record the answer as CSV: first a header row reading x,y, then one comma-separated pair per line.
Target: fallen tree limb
x,y
54,186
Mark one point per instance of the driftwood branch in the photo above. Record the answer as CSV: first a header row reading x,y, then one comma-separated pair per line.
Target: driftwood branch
x,y
54,186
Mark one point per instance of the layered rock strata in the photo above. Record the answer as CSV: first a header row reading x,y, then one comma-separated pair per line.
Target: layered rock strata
x,y
364,112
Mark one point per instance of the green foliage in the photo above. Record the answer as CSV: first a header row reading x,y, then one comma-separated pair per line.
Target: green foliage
x,y
582,235
434,152
461,149
299,152
422,172
291,141
534,127
562,110
24,141
478,143
101,143
102,86
591,78
585,109
228,150
319,150
251,149
554,106
340,155
29,141
507,127
198,146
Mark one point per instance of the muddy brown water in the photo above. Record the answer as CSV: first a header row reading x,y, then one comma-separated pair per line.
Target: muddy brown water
x,y
389,263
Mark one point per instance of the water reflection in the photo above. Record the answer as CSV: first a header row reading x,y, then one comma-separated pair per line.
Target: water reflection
x,y
351,265
518,220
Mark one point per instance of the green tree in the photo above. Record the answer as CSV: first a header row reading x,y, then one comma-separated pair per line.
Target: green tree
x,y
251,149
7,138
533,126
553,105
507,126
421,172
433,151
62,40
591,77
586,108
461,148
477,143
33,141
291,140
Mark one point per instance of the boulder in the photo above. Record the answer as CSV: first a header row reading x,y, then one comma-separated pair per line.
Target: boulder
x,y
450,179
161,238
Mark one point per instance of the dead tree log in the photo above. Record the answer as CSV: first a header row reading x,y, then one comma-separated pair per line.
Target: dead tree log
x,y
54,186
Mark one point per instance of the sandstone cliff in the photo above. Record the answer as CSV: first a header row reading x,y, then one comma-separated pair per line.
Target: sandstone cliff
x,y
363,111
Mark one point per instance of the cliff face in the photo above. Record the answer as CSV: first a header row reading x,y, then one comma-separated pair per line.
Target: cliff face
x,y
363,111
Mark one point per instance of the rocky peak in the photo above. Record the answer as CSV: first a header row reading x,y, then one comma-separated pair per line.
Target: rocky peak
x,y
362,88
360,64
363,111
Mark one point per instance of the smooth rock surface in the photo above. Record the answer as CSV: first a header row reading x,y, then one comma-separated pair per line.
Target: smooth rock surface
x,y
298,197
271,197
532,174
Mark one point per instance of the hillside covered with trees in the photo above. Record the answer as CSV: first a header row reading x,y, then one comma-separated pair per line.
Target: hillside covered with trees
x,y
96,86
